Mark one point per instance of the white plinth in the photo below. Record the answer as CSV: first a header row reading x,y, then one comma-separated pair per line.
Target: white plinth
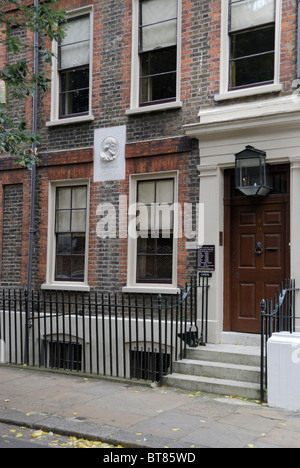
x,y
284,371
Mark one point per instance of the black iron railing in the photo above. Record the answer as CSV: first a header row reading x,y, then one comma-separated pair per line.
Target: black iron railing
x,y
119,335
277,315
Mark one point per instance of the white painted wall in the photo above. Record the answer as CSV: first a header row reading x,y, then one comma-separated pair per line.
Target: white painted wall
x,y
284,371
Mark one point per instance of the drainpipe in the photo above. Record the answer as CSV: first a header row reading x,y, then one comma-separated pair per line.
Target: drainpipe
x,y
33,192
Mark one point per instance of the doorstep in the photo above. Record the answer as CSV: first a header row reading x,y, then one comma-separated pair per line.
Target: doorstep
x,y
241,339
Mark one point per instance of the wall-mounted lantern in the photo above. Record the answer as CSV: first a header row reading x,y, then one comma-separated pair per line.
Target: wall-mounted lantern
x,y
252,174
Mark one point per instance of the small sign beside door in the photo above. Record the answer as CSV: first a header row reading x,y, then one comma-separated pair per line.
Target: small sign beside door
x,y
206,258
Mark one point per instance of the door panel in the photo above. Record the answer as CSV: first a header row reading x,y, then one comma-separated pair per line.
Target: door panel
x,y
246,251
247,298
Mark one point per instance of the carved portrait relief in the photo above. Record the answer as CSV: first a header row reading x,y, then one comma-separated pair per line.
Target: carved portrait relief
x,y
109,149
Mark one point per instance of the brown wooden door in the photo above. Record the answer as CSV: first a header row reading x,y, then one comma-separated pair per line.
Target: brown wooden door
x,y
259,257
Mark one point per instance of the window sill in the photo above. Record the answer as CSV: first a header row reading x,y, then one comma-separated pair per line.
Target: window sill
x,y
235,94
155,108
70,120
153,289
66,287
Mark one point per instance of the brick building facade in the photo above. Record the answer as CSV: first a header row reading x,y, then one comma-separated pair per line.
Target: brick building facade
x,y
183,113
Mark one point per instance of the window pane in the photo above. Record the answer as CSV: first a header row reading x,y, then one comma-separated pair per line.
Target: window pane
x,y
146,192
252,70
158,88
76,102
253,42
155,260
79,197
248,13
75,55
164,218
165,246
78,29
74,94
165,191
78,221
154,11
75,47
146,268
159,61
159,35
144,214
159,23
158,75
63,197
78,244
146,246
164,267
74,80
78,268
246,68
63,221
63,267
64,244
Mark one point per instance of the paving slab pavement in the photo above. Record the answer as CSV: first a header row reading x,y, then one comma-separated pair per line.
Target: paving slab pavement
x,y
140,416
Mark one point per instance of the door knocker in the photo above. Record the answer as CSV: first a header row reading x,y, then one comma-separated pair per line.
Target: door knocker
x,y
259,248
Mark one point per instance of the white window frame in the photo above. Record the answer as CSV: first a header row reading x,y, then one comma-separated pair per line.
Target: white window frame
x,y
224,59
54,112
132,285
135,67
51,240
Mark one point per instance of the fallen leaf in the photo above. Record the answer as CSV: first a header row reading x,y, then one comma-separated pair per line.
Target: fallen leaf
x,y
19,435
36,434
176,429
250,445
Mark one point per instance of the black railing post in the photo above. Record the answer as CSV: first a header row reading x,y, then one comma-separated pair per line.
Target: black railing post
x,y
160,367
27,326
263,306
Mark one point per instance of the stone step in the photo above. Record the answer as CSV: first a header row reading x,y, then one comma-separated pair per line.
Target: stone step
x,y
218,370
245,339
225,369
213,385
226,353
